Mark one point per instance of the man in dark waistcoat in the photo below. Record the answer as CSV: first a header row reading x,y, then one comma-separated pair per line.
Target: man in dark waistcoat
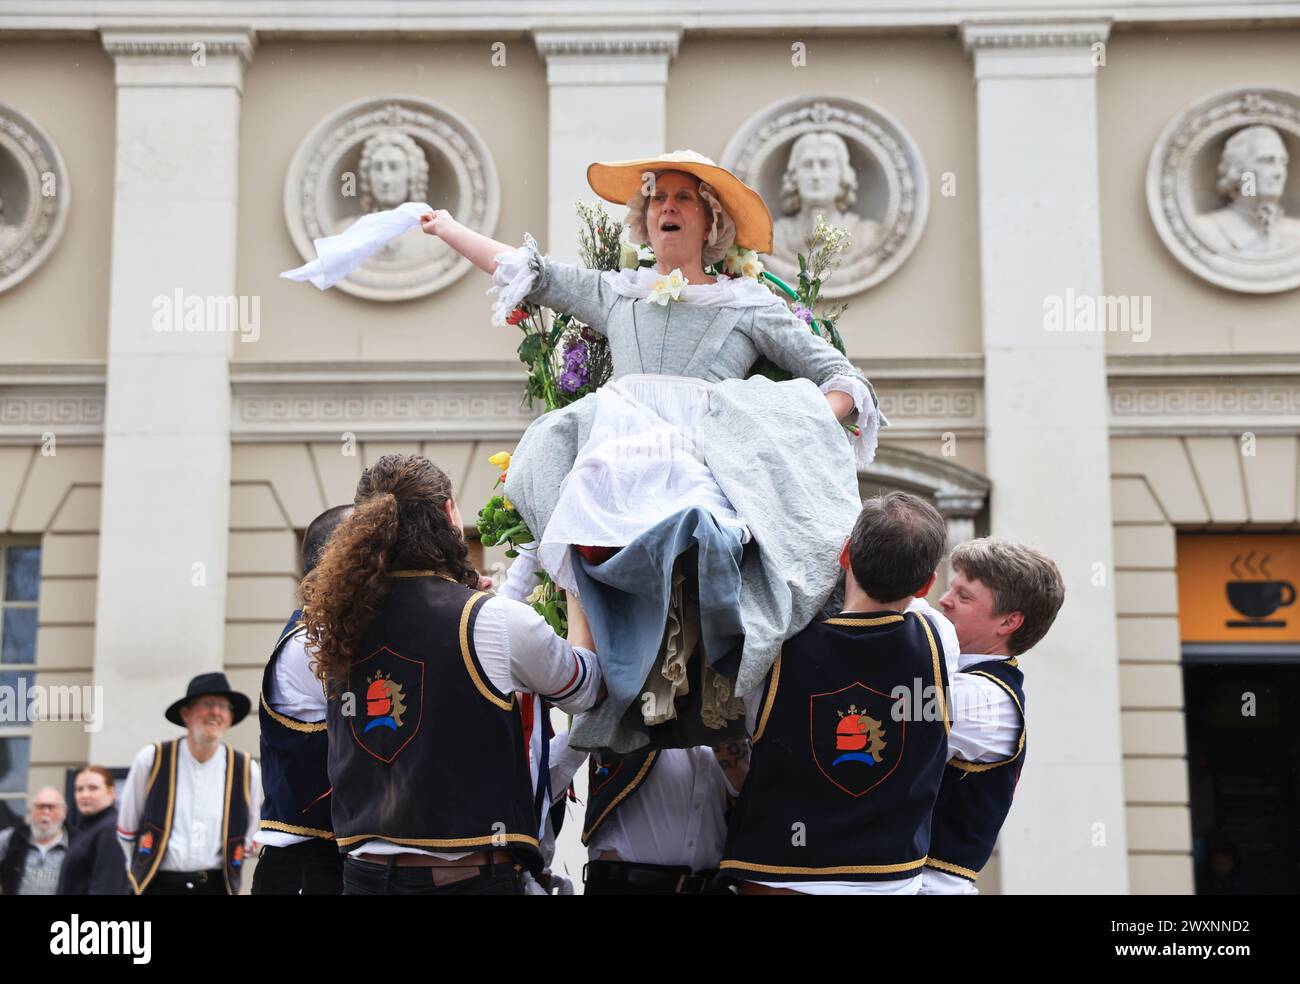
x,y
189,806
850,730
298,855
1003,598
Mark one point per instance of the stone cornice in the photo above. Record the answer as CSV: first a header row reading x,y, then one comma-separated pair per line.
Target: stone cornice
x,y
924,398
178,42
662,43
424,19
1032,33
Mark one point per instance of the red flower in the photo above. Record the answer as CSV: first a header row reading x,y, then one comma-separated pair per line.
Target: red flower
x,y
516,316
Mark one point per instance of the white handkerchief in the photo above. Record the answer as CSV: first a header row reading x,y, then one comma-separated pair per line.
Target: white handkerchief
x,y
338,256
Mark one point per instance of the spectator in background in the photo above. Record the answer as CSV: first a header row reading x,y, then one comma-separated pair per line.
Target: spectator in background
x,y
190,805
32,854
94,862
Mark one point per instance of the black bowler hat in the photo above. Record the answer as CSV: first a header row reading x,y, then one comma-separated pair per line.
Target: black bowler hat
x,y
211,683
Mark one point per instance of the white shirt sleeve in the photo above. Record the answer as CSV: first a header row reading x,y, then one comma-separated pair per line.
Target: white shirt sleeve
x,y
521,579
130,803
986,721
295,690
519,650
947,634
565,763
254,804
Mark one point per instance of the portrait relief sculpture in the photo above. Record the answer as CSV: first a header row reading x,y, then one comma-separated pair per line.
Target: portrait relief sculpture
x,y
34,196
1252,178
374,155
819,179
1221,192
842,159
393,169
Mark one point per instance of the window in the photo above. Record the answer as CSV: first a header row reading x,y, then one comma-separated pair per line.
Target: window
x,y
20,576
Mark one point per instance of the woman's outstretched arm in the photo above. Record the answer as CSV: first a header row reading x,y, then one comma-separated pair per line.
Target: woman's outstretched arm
x,y
529,275
479,249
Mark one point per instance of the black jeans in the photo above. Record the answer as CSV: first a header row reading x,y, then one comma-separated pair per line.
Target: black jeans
x,y
626,878
366,878
314,867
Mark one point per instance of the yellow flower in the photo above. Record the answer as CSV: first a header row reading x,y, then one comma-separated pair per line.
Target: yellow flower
x,y
501,459
668,288
741,262
506,502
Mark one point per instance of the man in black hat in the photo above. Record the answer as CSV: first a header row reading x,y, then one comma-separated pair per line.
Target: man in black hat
x,y
190,806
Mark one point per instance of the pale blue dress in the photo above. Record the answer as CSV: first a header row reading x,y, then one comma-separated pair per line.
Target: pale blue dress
x,y
680,428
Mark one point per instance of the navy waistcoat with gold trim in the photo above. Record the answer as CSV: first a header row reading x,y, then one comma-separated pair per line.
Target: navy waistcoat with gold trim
x,y
839,787
295,761
433,755
155,827
611,779
975,797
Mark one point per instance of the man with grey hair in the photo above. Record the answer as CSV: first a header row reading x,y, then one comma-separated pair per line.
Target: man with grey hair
x,y
31,856
1252,176
1003,597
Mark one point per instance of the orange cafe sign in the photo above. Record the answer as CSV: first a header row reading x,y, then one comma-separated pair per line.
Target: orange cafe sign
x,y
1238,588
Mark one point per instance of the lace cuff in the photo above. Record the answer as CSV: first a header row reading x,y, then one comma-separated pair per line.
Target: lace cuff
x,y
516,276
868,420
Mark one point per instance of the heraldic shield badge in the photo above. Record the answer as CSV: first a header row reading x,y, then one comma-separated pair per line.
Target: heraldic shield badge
x,y
390,701
856,742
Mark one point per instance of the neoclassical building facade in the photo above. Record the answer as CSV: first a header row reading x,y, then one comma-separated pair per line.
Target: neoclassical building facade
x,y
1075,285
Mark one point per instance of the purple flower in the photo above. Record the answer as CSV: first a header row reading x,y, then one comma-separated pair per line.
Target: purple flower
x,y
574,356
803,314
572,381
588,335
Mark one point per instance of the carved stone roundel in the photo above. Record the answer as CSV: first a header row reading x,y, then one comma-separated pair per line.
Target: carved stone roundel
x,y
1223,189
376,154
842,158
34,196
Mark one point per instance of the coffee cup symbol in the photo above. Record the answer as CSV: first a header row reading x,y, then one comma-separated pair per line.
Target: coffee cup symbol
x,y
1260,599
1257,599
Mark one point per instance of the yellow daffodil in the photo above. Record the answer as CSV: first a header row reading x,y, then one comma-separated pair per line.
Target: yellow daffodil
x,y
741,262
668,288
501,459
505,500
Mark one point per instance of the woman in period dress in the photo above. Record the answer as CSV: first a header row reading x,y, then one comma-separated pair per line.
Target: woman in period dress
x,y
686,506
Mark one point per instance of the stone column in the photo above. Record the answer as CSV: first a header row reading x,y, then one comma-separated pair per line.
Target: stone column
x,y
160,611
1047,452
607,102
